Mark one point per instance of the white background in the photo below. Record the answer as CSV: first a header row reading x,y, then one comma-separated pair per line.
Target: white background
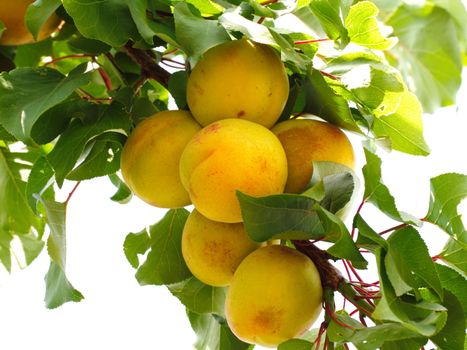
x,y
119,314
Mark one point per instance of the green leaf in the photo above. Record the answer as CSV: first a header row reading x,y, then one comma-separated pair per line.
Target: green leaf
x,y
235,22
363,28
285,216
206,7
458,11
328,13
26,93
40,180
322,101
38,13
404,127
135,244
369,338
435,74
98,20
72,142
454,282
337,183
2,28
454,254
123,194
213,333
409,255
164,263
452,336
199,297
344,247
367,237
31,55
58,290
295,344
196,34
103,158
89,46
447,192
177,88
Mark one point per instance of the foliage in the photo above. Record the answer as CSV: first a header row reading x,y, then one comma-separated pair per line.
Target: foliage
x,y
67,104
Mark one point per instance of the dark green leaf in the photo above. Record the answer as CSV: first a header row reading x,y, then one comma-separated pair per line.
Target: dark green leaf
x,y
434,75
454,282
123,194
177,88
31,55
136,243
363,28
452,336
40,179
409,255
58,290
344,247
196,34
199,297
367,237
103,158
164,263
72,142
38,13
447,191
26,93
322,101
97,20
370,338
454,253
88,46
286,216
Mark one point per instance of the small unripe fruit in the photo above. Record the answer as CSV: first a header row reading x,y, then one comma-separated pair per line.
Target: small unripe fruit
x,y
150,158
213,250
231,155
275,295
238,79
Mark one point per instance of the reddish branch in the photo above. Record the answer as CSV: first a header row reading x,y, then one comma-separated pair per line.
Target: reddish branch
x,y
310,41
149,68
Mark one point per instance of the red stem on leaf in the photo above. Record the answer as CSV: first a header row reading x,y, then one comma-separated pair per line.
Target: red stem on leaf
x,y
311,41
393,228
261,20
71,193
105,78
332,315
76,55
268,2
359,209
329,75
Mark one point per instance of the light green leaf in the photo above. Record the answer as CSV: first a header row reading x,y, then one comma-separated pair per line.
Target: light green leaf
x,y
322,101
72,142
447,192
136,244
199,297
434,75
58,290
404,127
195,34
454,253
206,7
369,338
40,180
123,194
286,216
295,344
97,20
164,263
363,27
408,253
26,93
38,13
328,13
367,237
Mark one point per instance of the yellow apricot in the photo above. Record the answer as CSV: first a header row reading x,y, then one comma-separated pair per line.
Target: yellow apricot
x,y
212,250
275,295
12,14
238,79
230,155
306,140
150,158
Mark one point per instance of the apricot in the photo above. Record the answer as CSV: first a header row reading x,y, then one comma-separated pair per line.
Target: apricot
x,y
238,79
212,250
275,295
306,140
230,155
150,158
12,14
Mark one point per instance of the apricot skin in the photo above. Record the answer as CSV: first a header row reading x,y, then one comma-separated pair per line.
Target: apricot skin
x,y
238,79
275,295
306,140
12,14
150,158
230,155
212,250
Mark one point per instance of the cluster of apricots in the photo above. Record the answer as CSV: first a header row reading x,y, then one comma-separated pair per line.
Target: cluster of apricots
x,y
12,14
230,140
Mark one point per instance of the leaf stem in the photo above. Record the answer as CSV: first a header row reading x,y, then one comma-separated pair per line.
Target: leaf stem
x,y
76,55
393,228
359,209
311,41
71,193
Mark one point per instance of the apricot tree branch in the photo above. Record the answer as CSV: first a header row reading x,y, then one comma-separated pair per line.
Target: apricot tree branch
x,y
149,68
